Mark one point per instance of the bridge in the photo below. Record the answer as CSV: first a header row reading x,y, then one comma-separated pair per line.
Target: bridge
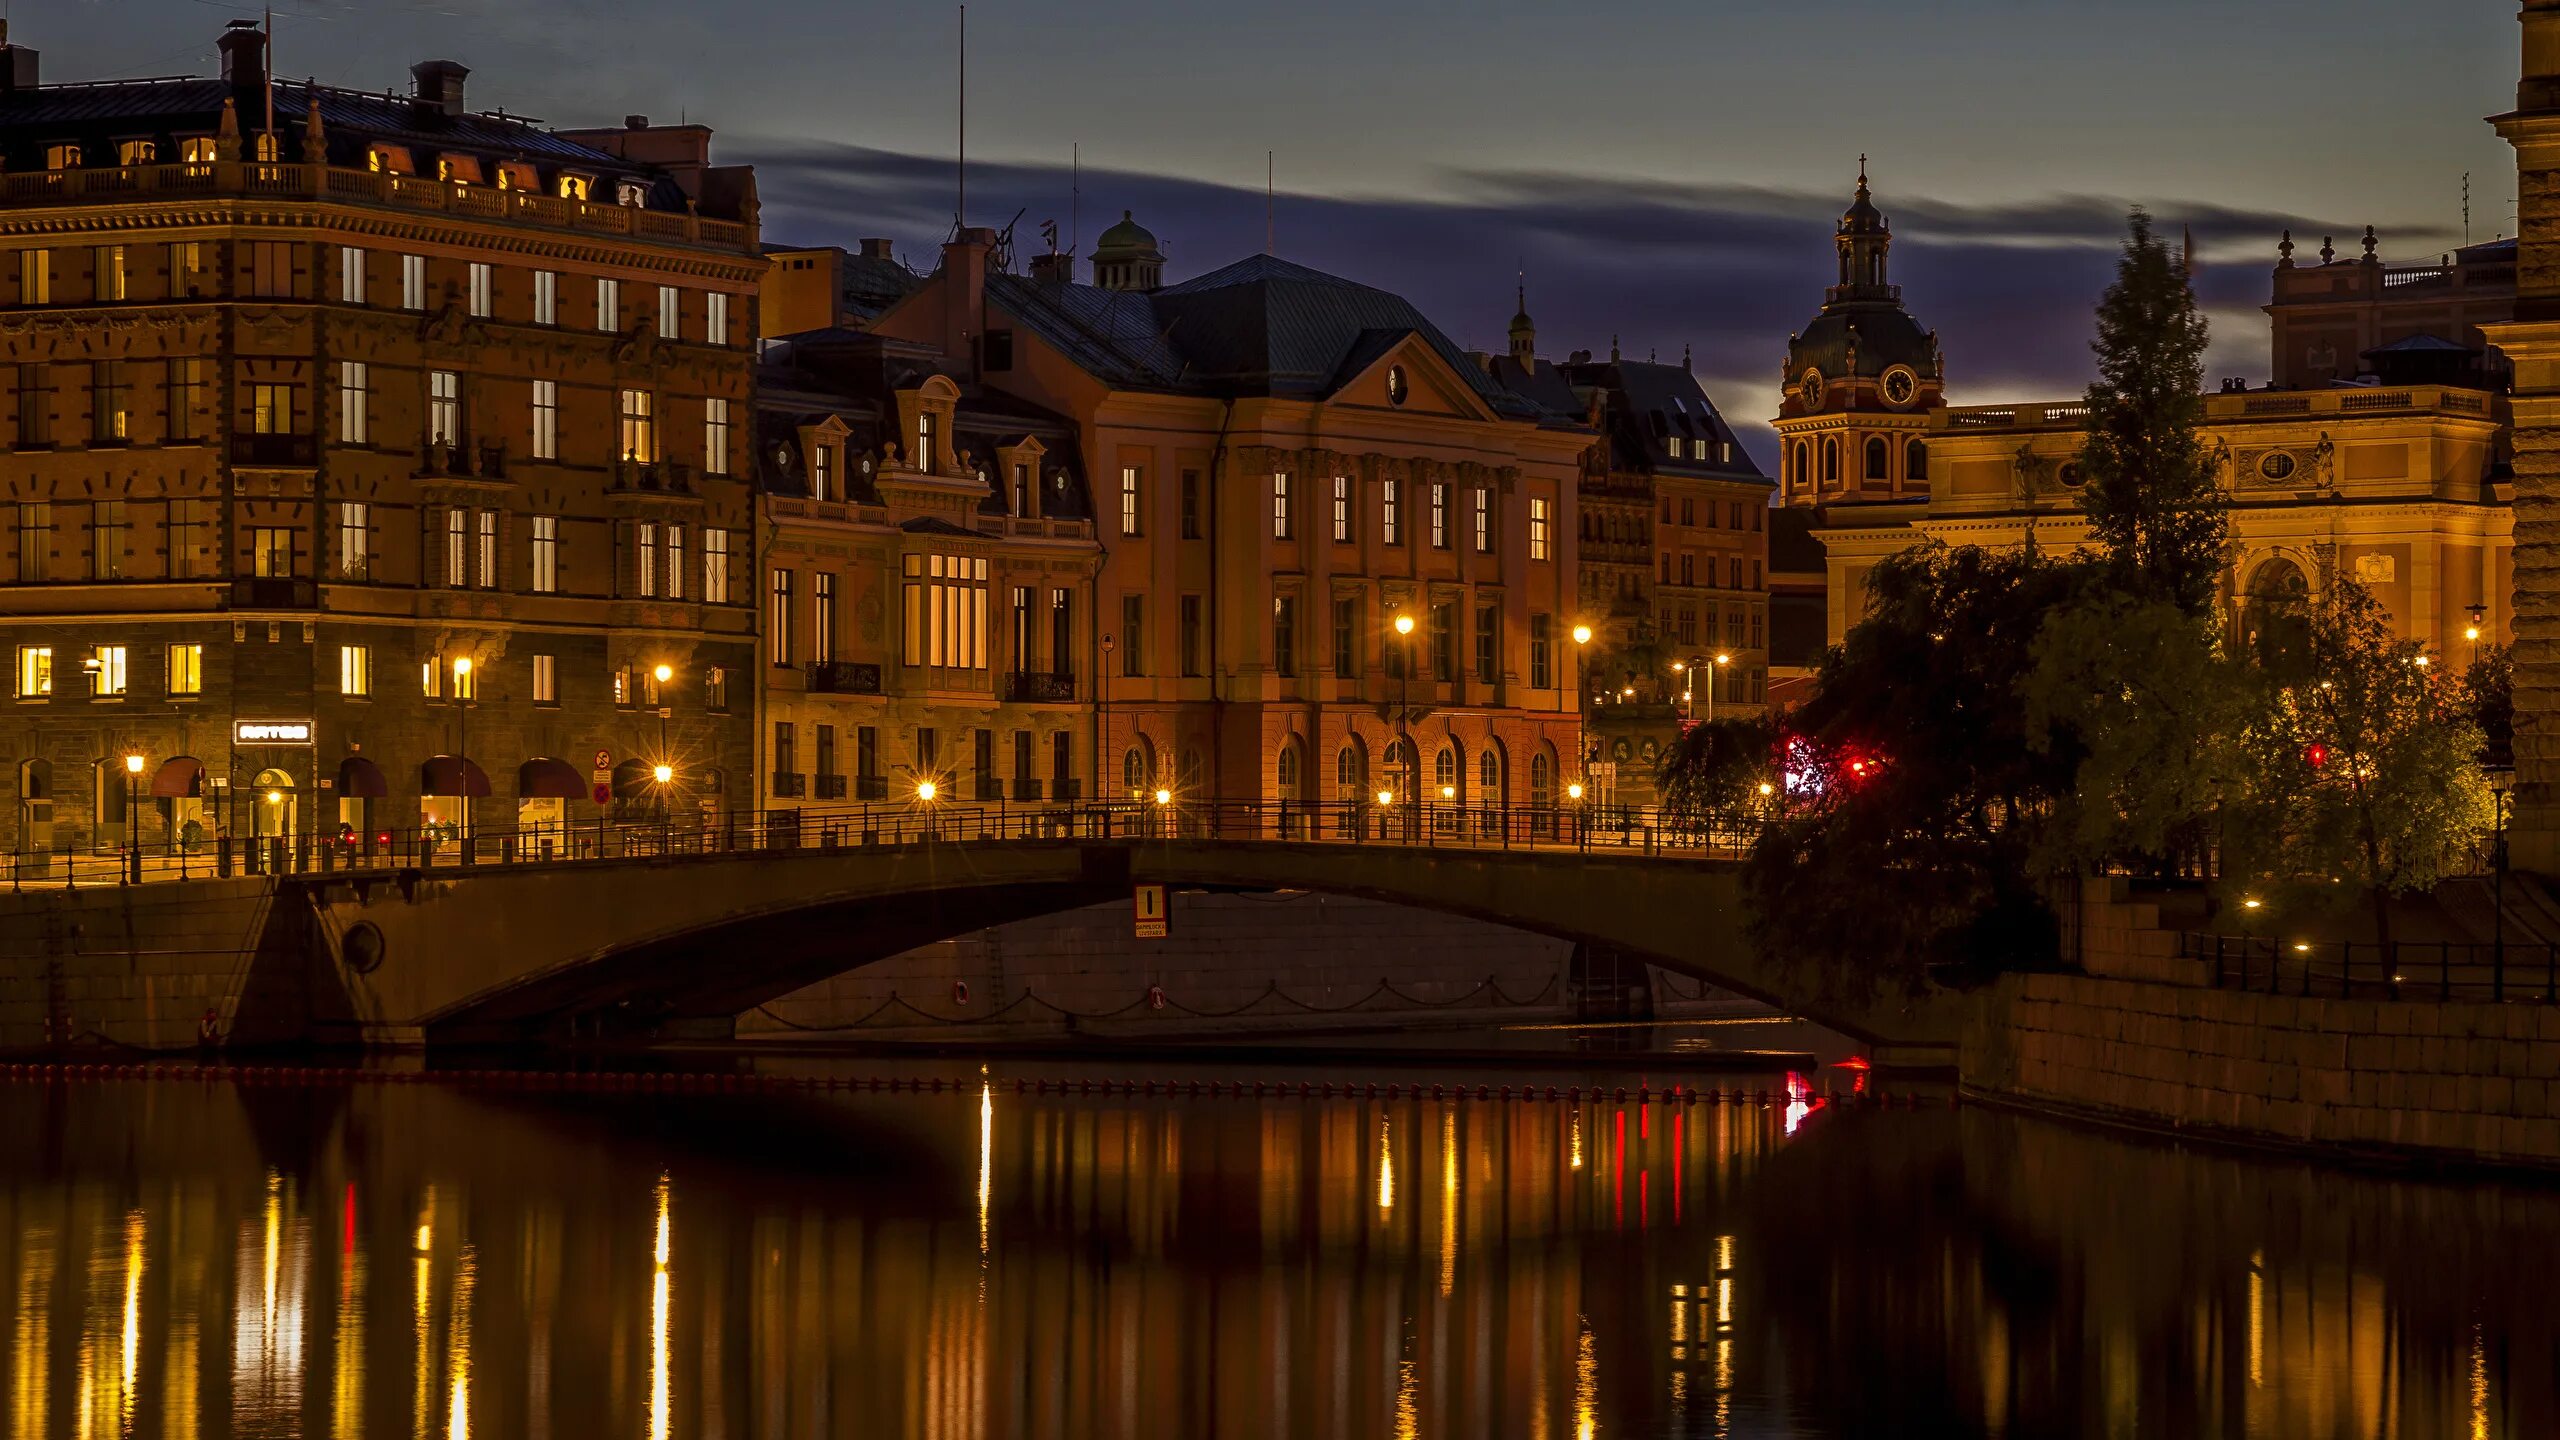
x,y
659,930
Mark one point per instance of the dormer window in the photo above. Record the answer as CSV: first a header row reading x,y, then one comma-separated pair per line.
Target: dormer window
x,y
458,169
62,157
574,187
924,456
270,150
137,152
631,193
389,159
822,472
514,176
197,150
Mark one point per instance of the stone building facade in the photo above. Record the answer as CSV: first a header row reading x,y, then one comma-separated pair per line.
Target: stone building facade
x,y
367,457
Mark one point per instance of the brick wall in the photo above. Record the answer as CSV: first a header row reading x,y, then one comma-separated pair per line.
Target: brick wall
x,y
2396,1079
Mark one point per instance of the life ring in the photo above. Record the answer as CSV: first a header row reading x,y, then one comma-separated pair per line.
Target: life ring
x,y
1155,997
959,992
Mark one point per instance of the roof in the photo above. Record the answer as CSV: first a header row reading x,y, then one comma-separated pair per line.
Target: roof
x,y
1648,403
2421,345
1793,548
1541,384
1261,326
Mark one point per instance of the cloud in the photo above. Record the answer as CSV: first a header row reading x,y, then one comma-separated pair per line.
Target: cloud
x,y
1728,271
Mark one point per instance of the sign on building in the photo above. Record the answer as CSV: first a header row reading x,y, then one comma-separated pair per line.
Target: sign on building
x,y
271,732
1154,914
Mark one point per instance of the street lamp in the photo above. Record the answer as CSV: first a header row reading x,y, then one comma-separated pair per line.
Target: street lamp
x,y
132,823
2502,782
662,675
926,790
1404,693
1581,701
663,772
2471,632
462,704
1712,676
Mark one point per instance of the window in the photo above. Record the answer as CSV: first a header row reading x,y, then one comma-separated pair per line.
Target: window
x,y
1128,502
715,567
35,408
546,680
1280,505
350,275
1484,521
1439,516
1190,626
1444,641
271,409
928,455
1390,530
546,297
1026,640
354,425
1062,633
670,312
444,407
786,749
546,419
1541,652
190,538
355,670
413,282
271,269
1346,637
431,676
271,552
608,303
137,152
110,677
108,272
186,395
1537,527
1133,635
268,148
1341,509
1284,634
675,562
110,403
65,156
715,439
1488,646
35,671
822,616
778,622
715,688
355,541
482,299
1190,504
186,668
648,564
486,559
945,611
822,473
715,317
622,686
197,150
639,428
35,277
546,554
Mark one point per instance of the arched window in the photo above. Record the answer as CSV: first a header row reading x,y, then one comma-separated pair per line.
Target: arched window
x,y
1802,477
1444,771
1879,458
1287,776
1489,778
1350,771
2275,621
1191,780
1138,769
1542,777
1830,462
1915,463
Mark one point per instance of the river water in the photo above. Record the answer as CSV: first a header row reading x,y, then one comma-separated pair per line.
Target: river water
x,y
186,1258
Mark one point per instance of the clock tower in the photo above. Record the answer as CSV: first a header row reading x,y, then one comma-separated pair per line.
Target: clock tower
x,y
1860,380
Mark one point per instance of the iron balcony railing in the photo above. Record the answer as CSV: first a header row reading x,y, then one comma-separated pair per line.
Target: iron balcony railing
x,y
843,677
1028,687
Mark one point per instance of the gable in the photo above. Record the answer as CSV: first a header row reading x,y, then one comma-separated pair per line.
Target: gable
x,y
1430,386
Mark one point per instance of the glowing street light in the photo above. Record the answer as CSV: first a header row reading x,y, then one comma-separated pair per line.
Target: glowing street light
x,y
1581,634
1404,624
1163,798
664,673
1573,791
133,764
664,772
1386,798
926,790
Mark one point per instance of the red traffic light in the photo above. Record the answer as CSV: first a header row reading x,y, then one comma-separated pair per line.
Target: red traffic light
x,y
2315,754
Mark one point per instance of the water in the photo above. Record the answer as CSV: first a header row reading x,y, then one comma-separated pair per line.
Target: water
x,y
192,1259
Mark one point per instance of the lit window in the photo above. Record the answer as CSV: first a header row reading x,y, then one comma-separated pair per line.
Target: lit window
x,y
457,536
1390,528
62,157
546,677
1439,516
355,670
35,670
109,266
1484,521
608,303
350,275
1280,505
271,552
546,297
431,676
546,419
354,427
355,541
639,430
483,284
546,554
137,152
1342,509
186,669
675,562
670,312
444,407
197,150
487,556
927,453
574,187
715,567
715,437
715,317
413,282
648,559
1128,499
1537,528
109,678
778,621
35,277
945,611
271,409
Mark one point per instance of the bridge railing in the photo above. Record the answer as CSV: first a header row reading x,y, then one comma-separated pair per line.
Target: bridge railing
x,y
2371,970
612,835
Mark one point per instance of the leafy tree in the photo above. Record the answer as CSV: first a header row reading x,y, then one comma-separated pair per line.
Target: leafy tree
x,y
2364,770
2151,495
1722,771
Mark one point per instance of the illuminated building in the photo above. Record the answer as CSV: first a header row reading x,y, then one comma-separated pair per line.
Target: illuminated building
x,y
318,393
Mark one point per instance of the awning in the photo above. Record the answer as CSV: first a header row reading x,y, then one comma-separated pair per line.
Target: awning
x,y
452,775
180,777
361,779
543,778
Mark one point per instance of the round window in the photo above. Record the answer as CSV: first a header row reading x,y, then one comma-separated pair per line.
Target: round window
x,y
2276,465
1398,387
2072,475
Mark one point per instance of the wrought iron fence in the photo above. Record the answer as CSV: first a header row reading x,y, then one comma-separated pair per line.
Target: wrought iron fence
x,y
2373,970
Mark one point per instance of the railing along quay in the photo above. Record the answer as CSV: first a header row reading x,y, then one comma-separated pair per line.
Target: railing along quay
x,y
2372,970
882,824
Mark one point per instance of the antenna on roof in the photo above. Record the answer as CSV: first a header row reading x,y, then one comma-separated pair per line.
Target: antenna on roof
x,y
269,79
1270,197
1075,196
960,209
2466,209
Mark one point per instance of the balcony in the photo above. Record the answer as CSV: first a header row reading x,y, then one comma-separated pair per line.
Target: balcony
x,y
283,450
870,787
1068,789
986,787
1025,788
1030,688
269,592
789,785
652,477
843,677
830,787
439,460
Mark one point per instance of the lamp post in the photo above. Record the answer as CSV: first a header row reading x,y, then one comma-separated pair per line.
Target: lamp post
x,y
1581,702
1687,686
2501,785
1404,710
462,705
1101,718
132,824
1712,677
2479,622
665,770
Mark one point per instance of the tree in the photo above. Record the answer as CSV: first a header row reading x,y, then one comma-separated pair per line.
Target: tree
x,y
2489,701
1721,772
2364,770
2150,493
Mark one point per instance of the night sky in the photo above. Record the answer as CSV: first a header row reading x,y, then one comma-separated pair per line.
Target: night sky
x,y
1665,170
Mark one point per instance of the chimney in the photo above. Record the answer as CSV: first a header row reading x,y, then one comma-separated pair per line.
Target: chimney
x,y
17,64
439,84
875,248
635,122
244,55
1057,267
964,287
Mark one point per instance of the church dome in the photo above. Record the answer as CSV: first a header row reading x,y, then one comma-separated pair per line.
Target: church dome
x,y
1862,333
1128,239
1863,341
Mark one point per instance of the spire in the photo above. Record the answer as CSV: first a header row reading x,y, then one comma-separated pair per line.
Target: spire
x,y
1524,331
1684,356
1864,240
1613,349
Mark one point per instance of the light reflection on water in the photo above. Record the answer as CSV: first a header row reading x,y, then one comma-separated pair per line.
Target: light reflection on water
x,y
981,1263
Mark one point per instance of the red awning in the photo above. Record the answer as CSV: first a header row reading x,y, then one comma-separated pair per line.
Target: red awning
x,y
361,779
179,777
452,775
543,778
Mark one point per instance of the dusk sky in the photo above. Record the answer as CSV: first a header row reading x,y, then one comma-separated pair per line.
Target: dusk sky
x,y
1665,170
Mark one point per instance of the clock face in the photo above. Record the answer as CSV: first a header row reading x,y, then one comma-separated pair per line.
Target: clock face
x,y
1899,386
1809,389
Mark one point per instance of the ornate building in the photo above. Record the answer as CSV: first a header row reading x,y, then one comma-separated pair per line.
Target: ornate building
x,y
367,458
1860,380
1287,464
930,557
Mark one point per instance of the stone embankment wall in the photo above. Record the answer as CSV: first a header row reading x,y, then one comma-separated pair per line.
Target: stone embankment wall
x,y
139,965
1225,952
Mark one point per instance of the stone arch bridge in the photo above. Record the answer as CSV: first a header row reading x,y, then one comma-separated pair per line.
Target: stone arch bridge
x,y
524,951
